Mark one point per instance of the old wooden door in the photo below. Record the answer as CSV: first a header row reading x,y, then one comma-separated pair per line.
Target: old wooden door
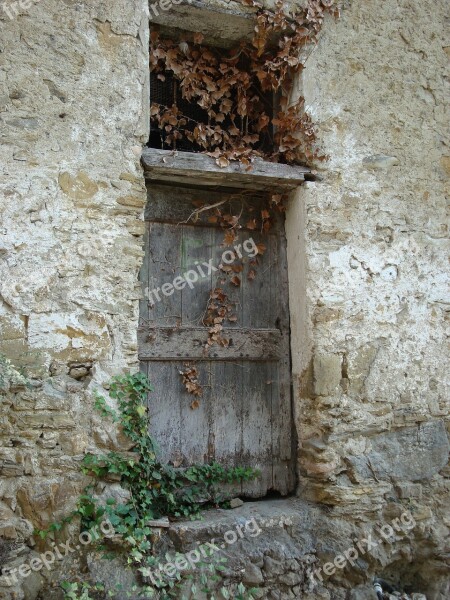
x,y
243,416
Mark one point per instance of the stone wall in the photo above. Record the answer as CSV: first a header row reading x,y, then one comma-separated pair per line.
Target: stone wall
x,y
74,117
368,298
373,389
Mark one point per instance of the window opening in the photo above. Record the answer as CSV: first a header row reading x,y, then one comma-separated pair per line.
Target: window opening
x,y
166,91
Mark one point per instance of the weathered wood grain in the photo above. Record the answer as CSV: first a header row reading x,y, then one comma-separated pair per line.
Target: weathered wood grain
x,y
188,343
196,422
197,248
257,450
282,436
165,409
226,418
164,255
181,206
199,169
143,278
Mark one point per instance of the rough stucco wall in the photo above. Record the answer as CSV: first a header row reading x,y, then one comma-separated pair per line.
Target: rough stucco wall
x,y
373,380
73,114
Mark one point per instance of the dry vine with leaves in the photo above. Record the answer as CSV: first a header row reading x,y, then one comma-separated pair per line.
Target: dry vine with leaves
x,y
235,89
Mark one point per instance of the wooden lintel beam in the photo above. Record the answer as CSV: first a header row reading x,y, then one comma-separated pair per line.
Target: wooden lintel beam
x,y
199,169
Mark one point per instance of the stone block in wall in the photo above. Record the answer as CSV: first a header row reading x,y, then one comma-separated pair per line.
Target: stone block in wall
x,y
74,444
319,593
44,420
49,396
410,415
106,491
411,453
13,527
16,529
12,338
9,468
272,567
252,575
12,327
79,187
13,345
422,512
358,499
406,489
317,460
327,373
380,161
358,367
115,574
43,501
363,592
13,555
72,337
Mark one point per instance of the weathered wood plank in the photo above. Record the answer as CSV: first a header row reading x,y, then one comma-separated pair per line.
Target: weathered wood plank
x,y
282,428
187,343
200,169
195,422
180,205
164,259
226,418
222,279
164,409
257,289
236,21
282,459
197,246
257,451
143,278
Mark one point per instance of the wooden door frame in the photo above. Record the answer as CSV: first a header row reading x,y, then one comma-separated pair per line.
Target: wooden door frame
x,y
174,167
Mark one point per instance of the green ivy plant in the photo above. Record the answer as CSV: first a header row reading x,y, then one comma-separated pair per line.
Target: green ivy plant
x,y
156,490
81,591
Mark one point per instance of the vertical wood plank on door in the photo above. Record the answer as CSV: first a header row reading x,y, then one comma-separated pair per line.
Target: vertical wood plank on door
x,y
196,250
257,426
226,411
164,265
195,422
226,417
257,308
143,278
164,408
222,279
